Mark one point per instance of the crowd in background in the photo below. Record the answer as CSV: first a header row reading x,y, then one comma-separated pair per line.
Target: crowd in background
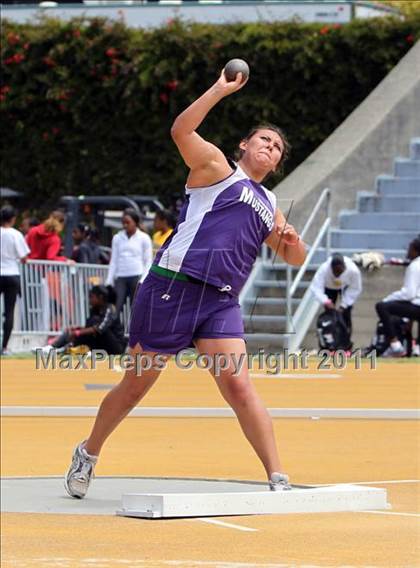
x,y
45,242
129,260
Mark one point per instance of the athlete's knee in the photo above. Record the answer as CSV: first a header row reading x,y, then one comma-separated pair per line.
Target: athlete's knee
x,y
134,388
237,391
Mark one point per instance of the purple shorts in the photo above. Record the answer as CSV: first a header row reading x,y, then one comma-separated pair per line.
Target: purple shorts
x,y
169,314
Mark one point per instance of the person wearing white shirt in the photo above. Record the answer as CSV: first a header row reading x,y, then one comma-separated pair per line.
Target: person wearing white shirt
x,y
404,302
13,250
338,276
131,258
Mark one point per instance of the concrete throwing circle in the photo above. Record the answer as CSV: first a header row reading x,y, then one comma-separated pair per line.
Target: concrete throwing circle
x,y
151,498
47,494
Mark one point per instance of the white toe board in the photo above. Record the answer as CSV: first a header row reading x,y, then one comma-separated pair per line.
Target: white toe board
x,y
333,498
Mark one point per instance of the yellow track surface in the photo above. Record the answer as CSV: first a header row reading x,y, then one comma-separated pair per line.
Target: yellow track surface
x,y
313,451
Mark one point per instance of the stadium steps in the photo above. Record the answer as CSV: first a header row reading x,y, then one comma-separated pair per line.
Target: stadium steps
x,y
351,220
385,220
265,323
370,239
269,306
373,203
404,167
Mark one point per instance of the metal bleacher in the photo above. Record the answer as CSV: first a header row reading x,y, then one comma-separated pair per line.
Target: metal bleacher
x,y
386,219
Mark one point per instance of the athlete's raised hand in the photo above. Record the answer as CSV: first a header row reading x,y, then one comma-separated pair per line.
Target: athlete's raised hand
x,y
225,87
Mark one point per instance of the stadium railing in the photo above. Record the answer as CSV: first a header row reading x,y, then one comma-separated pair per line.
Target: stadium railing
x,y
55,295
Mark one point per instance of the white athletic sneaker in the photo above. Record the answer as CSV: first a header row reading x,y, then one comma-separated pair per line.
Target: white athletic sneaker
x,y
279,482
397,349
6,353
81,471
44,350
387,352
48,348
415,351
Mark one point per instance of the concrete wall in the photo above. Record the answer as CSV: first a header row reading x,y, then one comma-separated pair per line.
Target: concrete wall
x,y
153,15
362,147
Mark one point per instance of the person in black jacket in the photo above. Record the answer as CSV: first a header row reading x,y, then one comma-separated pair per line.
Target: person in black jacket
x,y
97,254
102,330
85,250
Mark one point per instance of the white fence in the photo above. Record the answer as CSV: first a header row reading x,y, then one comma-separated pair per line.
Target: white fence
x,y
55,295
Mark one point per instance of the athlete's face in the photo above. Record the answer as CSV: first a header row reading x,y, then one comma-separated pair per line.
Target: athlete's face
x,y
77,235
95,301
129,224
412,251
338,270
159,224
265,148
25,225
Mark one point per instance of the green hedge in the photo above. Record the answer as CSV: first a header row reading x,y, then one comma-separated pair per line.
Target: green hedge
x,y
87,105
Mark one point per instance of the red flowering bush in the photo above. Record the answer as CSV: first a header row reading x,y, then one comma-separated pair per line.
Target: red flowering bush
x,y
111,52
49,61
101,97
12,38
15,58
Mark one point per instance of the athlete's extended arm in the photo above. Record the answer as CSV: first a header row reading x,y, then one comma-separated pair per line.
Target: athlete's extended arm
x,y
203,158
285,241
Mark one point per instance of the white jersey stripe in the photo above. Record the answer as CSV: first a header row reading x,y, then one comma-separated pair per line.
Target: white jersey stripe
x,y
201,202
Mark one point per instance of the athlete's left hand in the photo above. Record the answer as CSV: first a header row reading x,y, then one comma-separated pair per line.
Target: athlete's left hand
x,y
288,234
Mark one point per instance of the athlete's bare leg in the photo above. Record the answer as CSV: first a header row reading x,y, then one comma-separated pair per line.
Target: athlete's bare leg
x,y
240,394
119,401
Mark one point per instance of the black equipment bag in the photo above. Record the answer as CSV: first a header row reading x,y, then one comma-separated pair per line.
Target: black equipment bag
x,y
332,330
403,329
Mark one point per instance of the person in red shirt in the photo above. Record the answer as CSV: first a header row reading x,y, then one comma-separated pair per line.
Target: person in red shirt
x,y
44,239
45,244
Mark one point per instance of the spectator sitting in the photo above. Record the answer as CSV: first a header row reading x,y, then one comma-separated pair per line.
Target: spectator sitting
x,y
44,239
102,330
403,303
131,258
164,226
338,276
27,224
13,250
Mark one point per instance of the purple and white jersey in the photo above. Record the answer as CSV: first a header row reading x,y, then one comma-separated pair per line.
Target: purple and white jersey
x,y
220,231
